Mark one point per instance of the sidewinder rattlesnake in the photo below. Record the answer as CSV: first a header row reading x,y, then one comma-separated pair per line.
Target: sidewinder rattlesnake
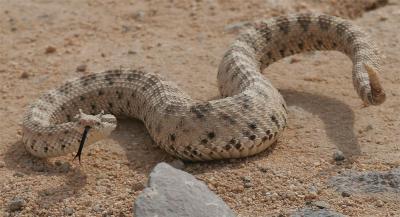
x,y
248,118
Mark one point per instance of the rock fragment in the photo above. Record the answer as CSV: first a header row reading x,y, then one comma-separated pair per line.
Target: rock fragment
x,y
173,192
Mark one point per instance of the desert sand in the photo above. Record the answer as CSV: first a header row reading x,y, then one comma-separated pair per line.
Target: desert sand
x,y
43,43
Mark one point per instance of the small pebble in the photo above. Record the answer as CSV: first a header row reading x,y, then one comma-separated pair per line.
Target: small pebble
x,y
383,18
139,15
248,185
132,52
246,178
310,196
338,156
24,75
313,189
18,174
346,194
369,127
294,60
321,204
50,49
68,211
2,164
81,68
263,169
379,203
177,164
16,204
97,208
107,213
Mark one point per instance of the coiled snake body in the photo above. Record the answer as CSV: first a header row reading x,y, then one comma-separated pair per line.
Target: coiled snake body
x,y
248,118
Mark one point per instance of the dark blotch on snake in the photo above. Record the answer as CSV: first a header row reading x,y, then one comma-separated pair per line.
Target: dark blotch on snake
x,y
304,20
227,147
253,126
275,120
324,22
264,138
233,141
283,24
172,137
238,145
201,109
301,45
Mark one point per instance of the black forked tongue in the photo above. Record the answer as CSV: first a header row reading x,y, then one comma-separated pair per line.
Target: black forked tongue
x,y
84,136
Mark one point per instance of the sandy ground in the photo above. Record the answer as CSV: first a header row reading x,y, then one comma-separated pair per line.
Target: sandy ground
x,y
43,42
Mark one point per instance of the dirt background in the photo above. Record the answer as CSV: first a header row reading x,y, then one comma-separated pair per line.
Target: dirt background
x,y
43,43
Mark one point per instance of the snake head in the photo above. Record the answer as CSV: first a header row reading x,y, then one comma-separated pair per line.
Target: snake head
x,y
102,124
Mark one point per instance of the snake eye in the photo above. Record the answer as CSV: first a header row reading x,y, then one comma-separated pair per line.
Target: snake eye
x,y
97,123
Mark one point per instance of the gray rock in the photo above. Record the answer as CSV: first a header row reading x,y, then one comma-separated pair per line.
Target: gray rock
x,y
367,182
338,156
315,212
16,204
173,192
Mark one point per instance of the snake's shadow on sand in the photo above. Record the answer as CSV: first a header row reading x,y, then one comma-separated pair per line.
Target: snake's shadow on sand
x,y
338,118
19,160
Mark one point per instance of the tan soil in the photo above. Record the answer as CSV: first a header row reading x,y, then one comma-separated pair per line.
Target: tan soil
x,y
43,43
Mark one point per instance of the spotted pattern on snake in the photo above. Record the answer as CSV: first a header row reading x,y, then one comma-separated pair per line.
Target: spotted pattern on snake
x,y
247,119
